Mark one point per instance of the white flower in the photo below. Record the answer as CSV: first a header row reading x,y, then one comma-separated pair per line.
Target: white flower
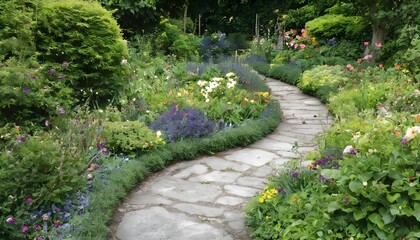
x,y
124,61
158,133
231,84
349,150
207,100
217,79
411,133
201,83
209,89
365,184
230,75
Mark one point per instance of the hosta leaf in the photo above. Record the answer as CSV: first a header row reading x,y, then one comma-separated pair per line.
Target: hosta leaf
x,y
359,214
392,198
355,186
332,206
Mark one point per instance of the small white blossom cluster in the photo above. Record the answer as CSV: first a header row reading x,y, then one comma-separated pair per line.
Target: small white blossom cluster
x,y
211,86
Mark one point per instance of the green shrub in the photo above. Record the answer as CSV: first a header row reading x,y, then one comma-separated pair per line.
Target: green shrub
x,y
172,40
289,73
84,36
335,26
238,41
129,137
17,29
321,80
30,96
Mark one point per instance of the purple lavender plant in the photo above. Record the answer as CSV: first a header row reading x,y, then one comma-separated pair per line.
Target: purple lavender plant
x,y
181,124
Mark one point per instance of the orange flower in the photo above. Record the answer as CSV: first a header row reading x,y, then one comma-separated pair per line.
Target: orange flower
x,y
397,66
418,118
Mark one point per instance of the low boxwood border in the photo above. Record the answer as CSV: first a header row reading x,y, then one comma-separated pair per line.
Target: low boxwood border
x,y
105,198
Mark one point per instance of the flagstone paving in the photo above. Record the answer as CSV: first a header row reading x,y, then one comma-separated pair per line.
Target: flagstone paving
x,y
204,199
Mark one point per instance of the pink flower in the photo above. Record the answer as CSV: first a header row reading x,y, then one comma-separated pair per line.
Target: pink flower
x,y
366,44
61,111
37,227
29,200
302,46
47,123
10,220
24,228
298,37
381,65
378,44
65,64
350,67
367,57
359,60
296,45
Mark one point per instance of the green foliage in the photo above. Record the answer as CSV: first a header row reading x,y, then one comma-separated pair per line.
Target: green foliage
x,y
30,95
16,29
321,80
45,168
336,26
172,40
129,137
289,73
86,37
296,18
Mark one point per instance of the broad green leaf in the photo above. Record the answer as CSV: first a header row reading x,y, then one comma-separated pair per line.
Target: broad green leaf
x,y
365,176
359,214
376,219
332,206
330,173
386,216
394,211
392,198
355,186
416,214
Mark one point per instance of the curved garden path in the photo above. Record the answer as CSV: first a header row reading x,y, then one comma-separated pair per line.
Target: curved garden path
x,y
204,199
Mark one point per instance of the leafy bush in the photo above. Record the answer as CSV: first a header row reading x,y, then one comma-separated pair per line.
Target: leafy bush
x,y
84,36
289,73
181,124
214,46
129,137
31,95
42,170
171,40
238,41
335,26
16,29
322,80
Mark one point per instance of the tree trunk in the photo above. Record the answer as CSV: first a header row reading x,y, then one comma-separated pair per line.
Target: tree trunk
x,y
185,16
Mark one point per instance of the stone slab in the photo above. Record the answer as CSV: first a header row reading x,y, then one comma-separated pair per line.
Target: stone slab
x,y
157,223
170,187
240,191
200,210
254,157
217,176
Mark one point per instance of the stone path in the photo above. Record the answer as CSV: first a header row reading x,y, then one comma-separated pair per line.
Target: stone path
x,y
204,199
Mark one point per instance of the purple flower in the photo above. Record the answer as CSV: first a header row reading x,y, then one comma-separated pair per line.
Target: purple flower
x,y
280,190
55,208
61,111
37,227
39,237
52,72
404,141
25,90
21,138
294,174
346,200
65,64
322,178
29,200
10,220
24,228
